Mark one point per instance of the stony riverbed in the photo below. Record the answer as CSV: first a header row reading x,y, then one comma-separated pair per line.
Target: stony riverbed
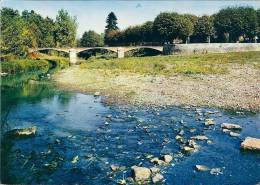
x,y
81,140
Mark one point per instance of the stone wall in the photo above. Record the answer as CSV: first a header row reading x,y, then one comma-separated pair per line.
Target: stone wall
x,y
213,47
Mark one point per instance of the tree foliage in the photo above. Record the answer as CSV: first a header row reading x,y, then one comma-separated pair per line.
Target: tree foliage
x,y
19,32
203,28
91,39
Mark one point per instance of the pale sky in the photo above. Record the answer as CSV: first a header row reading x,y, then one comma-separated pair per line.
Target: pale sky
x,y
91,15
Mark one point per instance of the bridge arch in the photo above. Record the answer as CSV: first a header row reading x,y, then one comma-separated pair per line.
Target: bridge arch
x,y
143,51
88,52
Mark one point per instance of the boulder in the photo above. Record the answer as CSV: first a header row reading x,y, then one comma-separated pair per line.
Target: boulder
x,y
155,169
157,178
188,149
200,137
251,143
157,161
114,167
23,132
230,126
201,168
141,173
167,158
209,122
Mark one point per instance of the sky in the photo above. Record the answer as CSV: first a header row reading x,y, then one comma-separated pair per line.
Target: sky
x,y
91,15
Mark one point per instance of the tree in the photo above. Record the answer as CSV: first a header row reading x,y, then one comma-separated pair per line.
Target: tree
x,y
165,26
203,28
111,26
147,32
111,23
91,39
235,22
65,32
11,31
184,28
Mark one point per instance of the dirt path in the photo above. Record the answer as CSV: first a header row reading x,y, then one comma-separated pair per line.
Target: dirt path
x,y
240,88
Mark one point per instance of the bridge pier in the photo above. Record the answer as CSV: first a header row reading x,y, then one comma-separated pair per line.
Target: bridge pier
x,y
120,53
73,56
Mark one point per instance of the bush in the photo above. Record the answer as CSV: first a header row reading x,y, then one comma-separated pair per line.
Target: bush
x,y
20,66
59,63
29,65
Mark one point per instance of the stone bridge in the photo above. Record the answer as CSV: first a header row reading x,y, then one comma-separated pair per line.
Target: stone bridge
x,y
119,50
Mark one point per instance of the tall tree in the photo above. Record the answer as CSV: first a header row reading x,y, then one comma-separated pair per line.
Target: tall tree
x,y
91,39
111,23
203,28
110,27
165,26
66,27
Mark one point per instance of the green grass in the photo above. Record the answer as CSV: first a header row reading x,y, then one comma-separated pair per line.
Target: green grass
x,y
33,65
216,63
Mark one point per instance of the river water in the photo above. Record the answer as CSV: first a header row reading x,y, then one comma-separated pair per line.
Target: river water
x,y
97,135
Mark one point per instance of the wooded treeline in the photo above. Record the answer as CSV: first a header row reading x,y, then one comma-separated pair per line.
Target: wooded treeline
x,y
19,32
232,24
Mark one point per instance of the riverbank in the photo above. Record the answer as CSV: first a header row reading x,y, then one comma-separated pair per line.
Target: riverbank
x,y
229,80
43,63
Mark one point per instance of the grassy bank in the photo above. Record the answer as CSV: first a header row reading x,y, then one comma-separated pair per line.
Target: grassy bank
x,y
164,65
33,65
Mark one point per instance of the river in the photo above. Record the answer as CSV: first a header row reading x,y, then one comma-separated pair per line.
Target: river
x,y
79,137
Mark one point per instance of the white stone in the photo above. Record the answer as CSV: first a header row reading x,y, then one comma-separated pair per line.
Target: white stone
x,y
141,173
157,178
200,137
230,126
251,143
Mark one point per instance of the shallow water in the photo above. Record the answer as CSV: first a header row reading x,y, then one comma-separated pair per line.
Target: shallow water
x,y
73,124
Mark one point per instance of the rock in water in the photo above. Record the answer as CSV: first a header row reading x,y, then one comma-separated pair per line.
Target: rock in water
x,y
157,178
251,143
209,122
155,170
230,126
188,149
141,173
234,134
200,137
157,161
97,94
75,159
201,168
23,132
216,171
167,158
114,167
